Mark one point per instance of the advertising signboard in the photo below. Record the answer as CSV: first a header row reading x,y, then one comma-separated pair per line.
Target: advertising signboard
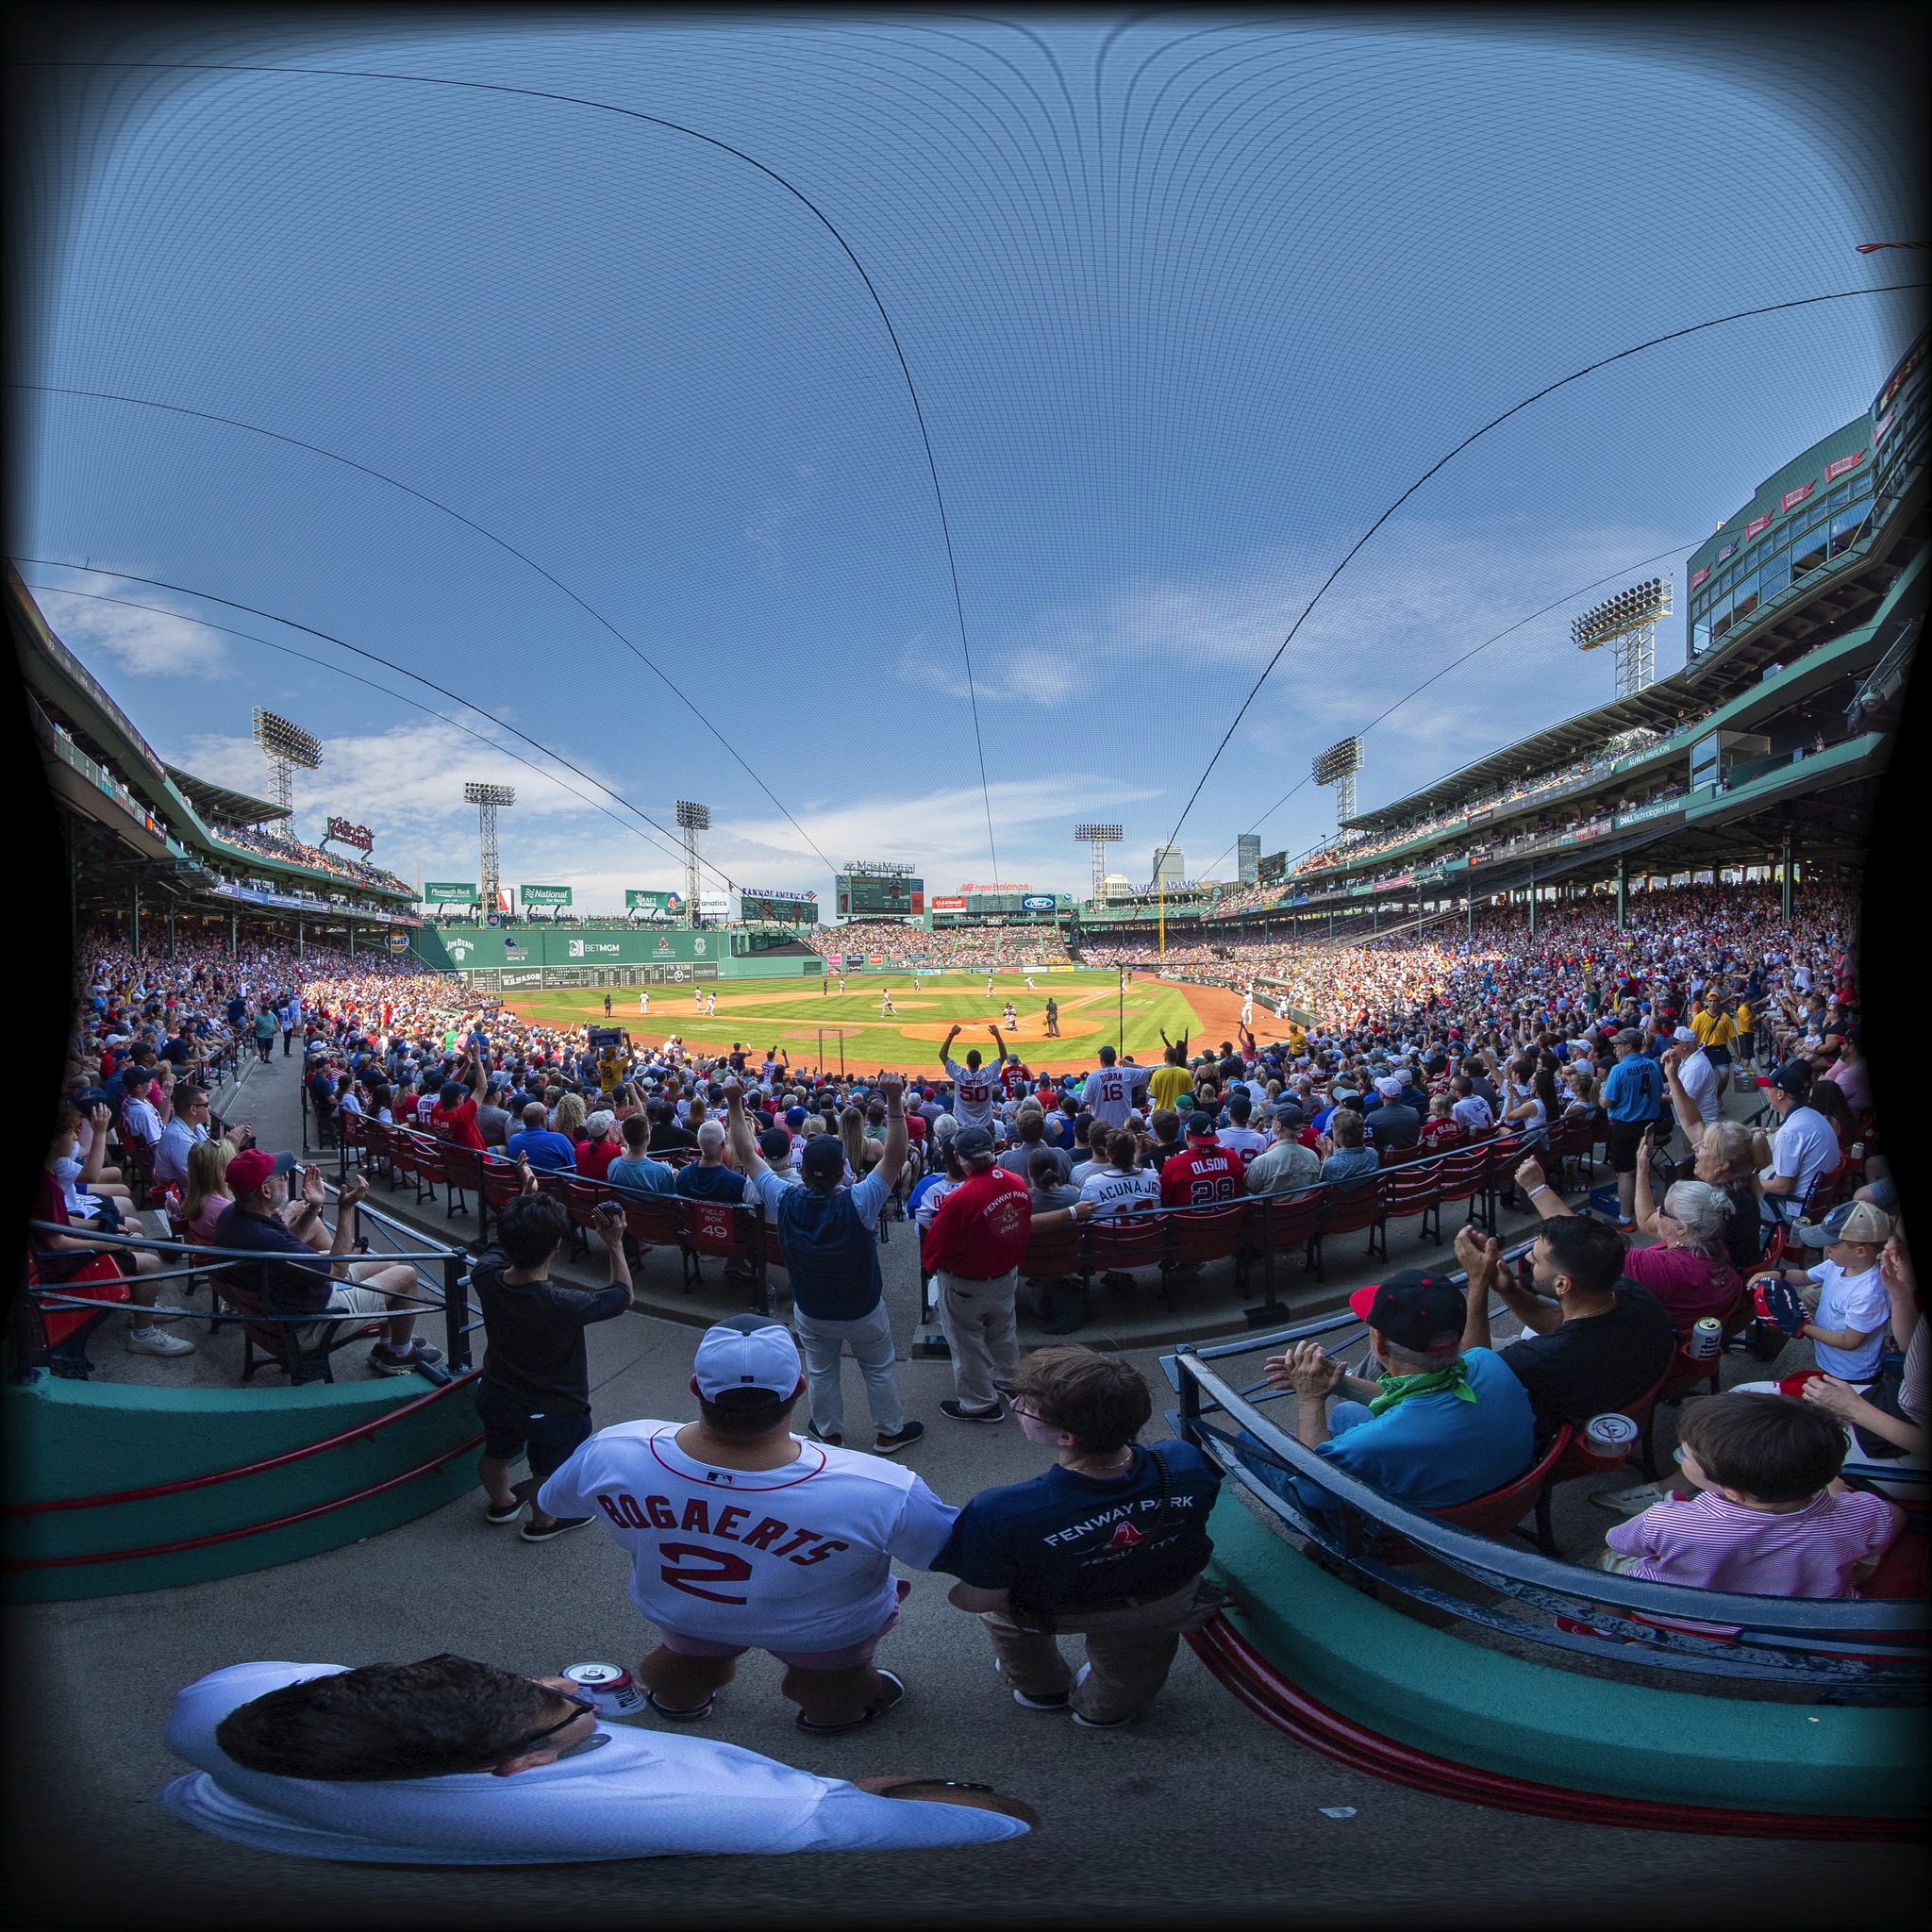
x,y
441,892
671,903
545,895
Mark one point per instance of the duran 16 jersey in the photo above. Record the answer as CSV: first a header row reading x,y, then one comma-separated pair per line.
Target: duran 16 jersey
x,y
791,1558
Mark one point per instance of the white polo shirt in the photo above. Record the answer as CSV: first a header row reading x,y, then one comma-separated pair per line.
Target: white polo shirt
x,y
635,1794
792,1558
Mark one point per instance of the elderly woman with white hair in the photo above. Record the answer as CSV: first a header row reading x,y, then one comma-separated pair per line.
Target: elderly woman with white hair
x,y
1688,1270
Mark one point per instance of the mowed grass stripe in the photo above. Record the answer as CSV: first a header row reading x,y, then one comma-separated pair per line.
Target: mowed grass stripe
x,y
790,1015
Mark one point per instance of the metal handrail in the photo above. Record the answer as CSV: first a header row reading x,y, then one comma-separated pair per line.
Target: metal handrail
x,y
1544,1581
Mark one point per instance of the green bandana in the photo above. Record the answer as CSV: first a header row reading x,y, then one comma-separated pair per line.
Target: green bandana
x,y
1431,1381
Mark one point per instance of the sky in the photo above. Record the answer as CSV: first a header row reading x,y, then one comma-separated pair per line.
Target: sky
x,y
624,434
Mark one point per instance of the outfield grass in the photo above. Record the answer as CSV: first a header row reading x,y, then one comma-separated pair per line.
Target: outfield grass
x,y
763,1013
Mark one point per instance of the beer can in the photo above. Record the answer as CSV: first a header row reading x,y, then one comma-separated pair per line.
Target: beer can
x,y
608,1685
1611,1435
1706,1339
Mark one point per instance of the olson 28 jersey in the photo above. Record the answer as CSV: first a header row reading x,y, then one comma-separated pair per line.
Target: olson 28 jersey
x,y
791,1558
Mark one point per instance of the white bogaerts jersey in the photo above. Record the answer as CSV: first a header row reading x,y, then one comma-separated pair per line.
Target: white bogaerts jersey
x,y
791,1558
973,1092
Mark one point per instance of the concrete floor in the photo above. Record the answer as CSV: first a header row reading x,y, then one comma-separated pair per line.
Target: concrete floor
x,y
1199,1811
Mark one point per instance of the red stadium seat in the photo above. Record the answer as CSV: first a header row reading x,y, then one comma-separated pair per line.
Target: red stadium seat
x,y
1199,1235
1133,1241
1417,1189
1348,1211
1288,1221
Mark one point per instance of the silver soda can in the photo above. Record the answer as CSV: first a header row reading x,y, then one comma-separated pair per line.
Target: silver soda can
x,y
1610,1435
1706,1339
608,1685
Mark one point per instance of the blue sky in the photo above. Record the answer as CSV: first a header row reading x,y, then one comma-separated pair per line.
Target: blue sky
x,y
1186,305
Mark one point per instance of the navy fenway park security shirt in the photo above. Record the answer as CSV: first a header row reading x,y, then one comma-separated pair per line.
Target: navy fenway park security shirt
x,y
1065,1542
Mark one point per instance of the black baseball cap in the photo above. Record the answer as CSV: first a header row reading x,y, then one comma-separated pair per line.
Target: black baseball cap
x,y
973,1143
824,1158
1201,1125
1793,1077
1418,1311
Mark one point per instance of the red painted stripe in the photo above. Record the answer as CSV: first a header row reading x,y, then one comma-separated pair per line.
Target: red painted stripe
x,y
229,1536
224,1475
1260,1685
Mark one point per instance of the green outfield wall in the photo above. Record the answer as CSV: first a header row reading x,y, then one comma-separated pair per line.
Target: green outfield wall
x,y
527,958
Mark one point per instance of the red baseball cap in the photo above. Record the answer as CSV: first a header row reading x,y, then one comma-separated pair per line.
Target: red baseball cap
x,y
249,1170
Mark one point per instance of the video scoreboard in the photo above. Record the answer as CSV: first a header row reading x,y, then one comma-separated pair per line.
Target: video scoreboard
x,y
861,895
779,909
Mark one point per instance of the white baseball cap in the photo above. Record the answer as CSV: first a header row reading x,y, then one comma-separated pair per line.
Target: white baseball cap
x,y
746,1351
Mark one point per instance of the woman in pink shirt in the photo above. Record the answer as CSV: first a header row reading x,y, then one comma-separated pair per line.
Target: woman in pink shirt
x,y
1689,1270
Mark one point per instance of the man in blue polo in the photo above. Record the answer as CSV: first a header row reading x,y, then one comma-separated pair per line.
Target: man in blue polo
x,y
1633,1097
1440,1424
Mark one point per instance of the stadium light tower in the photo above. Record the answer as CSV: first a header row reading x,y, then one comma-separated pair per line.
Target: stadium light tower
x,y
285,747
1100,838
1337,766
692,819
486,798
1629,622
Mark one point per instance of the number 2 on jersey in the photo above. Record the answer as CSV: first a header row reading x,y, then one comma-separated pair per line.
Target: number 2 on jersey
x,y
723,1567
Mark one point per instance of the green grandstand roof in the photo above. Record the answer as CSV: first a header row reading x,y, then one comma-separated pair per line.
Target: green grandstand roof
x,y
1662,708
219,802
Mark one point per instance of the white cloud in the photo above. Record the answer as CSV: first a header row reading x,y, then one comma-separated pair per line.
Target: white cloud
x,y
148,644
776,508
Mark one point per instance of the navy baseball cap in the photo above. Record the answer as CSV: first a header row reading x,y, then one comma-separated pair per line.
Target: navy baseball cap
x,y
973,1143
1201,1127
824,1158
1794,1078
1418,1311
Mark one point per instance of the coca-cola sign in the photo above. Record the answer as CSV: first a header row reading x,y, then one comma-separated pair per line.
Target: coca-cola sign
x,y
343,833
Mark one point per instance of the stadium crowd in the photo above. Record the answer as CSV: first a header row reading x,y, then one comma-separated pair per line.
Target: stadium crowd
x,y
271,846
1417,1046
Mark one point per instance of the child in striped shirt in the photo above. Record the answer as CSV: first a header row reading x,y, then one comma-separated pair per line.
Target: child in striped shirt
x,y
1770,1518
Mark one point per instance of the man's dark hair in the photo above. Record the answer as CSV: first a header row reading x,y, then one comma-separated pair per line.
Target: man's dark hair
x,y
187,1096
1773,1448
1102,1401
1238,1107
1123,1150
531,1228
1590,1253
741,1414
388,1721
637,1133
973,1057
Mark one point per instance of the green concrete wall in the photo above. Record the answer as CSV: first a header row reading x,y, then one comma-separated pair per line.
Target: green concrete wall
x,y
1471,1706
84,1439
487,948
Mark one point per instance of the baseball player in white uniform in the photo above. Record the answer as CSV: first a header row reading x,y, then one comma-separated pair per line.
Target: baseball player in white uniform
x,y
1248,1007
744,1536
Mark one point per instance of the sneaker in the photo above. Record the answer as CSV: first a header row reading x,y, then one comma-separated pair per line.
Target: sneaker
x,y
510,1511
1633,1501
818,1435
890,1446
960,1413
1097,1724
892,1695
384,1360
556,1526
155,1342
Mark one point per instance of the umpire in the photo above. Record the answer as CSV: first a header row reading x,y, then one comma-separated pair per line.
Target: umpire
x,y
1111,1542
